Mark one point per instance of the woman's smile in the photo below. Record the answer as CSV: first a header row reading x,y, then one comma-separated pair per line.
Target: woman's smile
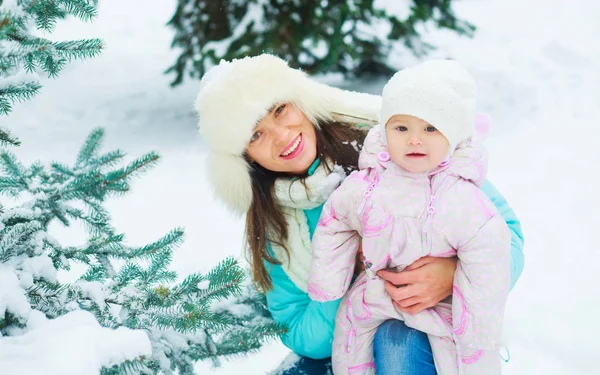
x,y
294,148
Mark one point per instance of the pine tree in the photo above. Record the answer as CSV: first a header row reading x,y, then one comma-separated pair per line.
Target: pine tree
x,y
203,316
351,37
142,293
22,53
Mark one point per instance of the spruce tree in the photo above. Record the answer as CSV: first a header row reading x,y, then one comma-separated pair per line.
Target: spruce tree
x,y
23,54
351,37
205,316
202,317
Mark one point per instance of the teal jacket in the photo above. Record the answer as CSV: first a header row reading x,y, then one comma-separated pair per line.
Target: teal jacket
x,y
310,323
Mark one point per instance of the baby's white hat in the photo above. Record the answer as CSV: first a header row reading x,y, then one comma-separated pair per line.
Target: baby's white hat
x,y
440,92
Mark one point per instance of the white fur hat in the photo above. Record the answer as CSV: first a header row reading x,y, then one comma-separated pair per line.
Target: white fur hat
x,y
440,92
235,95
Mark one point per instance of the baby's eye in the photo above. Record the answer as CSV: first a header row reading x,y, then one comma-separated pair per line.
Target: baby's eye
x,y
430,129
255,136
279,109
401,128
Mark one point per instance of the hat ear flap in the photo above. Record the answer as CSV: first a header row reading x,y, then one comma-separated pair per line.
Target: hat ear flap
x,y
230,178
483,124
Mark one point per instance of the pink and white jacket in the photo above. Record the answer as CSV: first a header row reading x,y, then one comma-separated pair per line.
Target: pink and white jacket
x,y
401,217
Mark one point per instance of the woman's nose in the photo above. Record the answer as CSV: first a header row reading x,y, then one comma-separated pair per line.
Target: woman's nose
x,y
281,133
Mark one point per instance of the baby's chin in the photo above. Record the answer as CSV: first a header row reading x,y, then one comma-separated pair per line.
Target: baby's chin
x,y
424,170
425,167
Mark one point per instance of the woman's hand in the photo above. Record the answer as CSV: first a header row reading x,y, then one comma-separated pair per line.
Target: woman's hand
x,y
427,281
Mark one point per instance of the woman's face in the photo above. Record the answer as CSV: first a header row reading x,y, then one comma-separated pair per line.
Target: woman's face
x,y
284,141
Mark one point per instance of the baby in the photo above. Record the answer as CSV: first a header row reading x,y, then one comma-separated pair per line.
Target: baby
x,y
417,194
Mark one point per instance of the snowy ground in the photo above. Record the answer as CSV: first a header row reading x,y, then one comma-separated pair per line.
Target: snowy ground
x,y
538,64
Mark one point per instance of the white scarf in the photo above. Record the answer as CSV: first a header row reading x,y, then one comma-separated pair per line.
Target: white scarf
x,y
294,197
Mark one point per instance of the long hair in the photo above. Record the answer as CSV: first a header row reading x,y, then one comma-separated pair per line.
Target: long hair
x,y
337,142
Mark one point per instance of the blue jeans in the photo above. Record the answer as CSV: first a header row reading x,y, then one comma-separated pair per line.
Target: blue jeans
x,y
398,350
401,350
309,366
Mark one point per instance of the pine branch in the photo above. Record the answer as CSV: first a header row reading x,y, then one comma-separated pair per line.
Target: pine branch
x,y
45,14
79,49
172,239
50,298
62,169
80,9
11,186
248,339
95,273
21,49
90,146
140,165
109,159
15,93
128,272
157,272
142,365
11,166
225,280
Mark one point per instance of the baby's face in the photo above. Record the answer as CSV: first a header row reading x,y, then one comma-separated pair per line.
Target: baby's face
x,y
414,144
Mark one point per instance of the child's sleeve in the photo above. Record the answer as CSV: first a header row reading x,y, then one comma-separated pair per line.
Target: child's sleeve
x,y
482,279
336,241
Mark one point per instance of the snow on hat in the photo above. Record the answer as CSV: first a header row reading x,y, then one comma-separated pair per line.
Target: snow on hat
x,y
440,92
235,95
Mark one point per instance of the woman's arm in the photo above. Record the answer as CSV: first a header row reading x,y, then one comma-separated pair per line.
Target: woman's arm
x,y
517,258
429,280
309,323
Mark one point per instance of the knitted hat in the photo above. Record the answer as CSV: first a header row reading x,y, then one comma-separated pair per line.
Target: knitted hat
x,y
235,95
440,92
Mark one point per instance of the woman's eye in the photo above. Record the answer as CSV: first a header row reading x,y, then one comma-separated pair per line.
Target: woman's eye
x,y
255,136
279,109
430,129
401,128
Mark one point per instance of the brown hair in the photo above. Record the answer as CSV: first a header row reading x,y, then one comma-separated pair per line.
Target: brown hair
x,y
337,142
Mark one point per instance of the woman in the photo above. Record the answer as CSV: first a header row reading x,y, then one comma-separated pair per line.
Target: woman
x,y
280,143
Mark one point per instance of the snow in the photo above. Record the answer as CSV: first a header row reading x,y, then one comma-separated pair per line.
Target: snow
x,y
12,296
40,267
21,78
400,9
286,364
72,344
11,6
319,48
537,65
233,307
253,15
93,291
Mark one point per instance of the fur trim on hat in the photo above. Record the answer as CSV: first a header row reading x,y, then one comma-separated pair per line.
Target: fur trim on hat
x,y
235,95
230,179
